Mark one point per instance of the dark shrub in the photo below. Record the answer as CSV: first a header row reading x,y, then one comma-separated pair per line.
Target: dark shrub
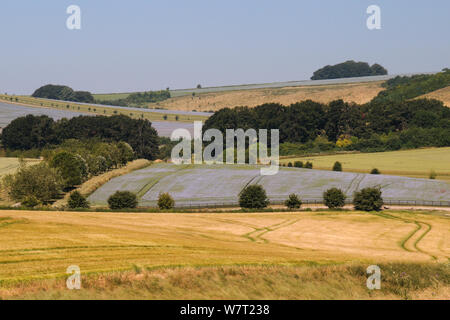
x,y
334,198
253,197
293,202
165,201
30,202
122,200
308,165
290,164
337,166
375,171
77,200
368,199
298,164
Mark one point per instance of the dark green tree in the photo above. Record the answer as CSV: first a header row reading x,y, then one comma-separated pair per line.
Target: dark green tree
x,y
368,199
334,198
77,201
253,197
293,202
122,200
337,166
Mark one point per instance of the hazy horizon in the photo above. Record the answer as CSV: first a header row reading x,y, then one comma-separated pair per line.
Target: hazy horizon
x,y
144,45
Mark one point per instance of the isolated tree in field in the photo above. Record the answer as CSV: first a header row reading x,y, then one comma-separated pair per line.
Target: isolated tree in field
x,y
72,167
293,202
165,201
199,86
368,199
38,180
122,200
334,198
337,166
375,171
77,201
253,197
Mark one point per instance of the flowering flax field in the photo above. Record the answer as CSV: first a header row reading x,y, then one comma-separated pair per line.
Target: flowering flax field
x,y
201,185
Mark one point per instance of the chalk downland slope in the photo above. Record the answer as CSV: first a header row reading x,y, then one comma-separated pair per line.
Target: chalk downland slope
x,y
352,92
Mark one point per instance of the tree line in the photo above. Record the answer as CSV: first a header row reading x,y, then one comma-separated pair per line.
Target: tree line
x,y
340,125
38,132
138,99
349,69
403,88
64,93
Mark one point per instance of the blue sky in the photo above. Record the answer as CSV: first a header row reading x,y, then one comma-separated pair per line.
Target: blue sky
x,y
153,44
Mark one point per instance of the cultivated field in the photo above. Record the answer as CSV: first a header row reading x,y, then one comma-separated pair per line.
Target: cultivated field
x,y
10,165
411,163
225,256
221,184
213,101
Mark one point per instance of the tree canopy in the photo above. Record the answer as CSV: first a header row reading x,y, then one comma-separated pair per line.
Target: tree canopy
x,y
349,69
32,132
65,93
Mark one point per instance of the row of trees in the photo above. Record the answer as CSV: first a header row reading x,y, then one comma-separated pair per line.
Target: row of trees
x,y
65,167
38,132
64,93
138,99
349,69
375,126
368,199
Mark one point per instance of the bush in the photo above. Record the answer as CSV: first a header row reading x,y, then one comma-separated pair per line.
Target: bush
x,y
253,197
433,175
122,200
30,202
298,164
72,167
77,200
290,164
308,165
334,198
38,180
368,199
293,202
375,171
337,166
165,201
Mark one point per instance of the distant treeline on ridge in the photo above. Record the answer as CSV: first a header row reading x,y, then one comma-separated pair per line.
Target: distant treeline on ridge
x,y
349,69
65,93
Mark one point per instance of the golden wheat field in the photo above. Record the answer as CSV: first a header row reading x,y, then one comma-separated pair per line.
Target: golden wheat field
x,y
353,92
205,255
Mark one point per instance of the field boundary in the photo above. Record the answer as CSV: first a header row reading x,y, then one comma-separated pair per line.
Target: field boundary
x,y
231,204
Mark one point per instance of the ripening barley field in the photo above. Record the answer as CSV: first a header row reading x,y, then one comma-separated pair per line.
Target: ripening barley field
x,y
10,165
412,163
302,255
221,184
